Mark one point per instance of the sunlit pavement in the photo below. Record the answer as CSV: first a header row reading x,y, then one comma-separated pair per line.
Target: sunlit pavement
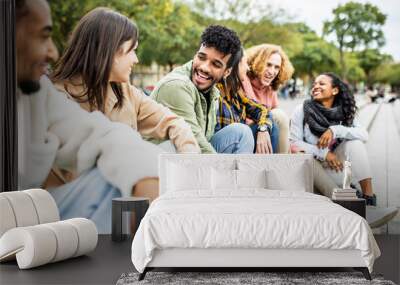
x,y
383,122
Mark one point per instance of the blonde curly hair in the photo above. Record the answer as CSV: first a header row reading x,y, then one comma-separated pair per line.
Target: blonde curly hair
x,y
257,57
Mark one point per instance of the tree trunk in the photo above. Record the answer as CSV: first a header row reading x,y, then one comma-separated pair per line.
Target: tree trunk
x,y
170,66
368,75
343,72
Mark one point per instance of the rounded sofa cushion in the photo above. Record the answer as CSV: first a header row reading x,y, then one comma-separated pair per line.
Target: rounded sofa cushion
x,y
33,246
23,208
87,235
40,244
7,218
67,240
26,208
46,207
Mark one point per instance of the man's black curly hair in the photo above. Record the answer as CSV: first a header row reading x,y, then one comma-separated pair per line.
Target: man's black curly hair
x,y
223,40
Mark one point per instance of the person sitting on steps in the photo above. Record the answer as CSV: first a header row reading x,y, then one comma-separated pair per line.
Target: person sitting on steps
x,y
235,107
325,126
111,92
269,69
190,92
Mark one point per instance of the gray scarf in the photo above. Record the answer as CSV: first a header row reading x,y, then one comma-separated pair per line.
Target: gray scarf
x,y
319,118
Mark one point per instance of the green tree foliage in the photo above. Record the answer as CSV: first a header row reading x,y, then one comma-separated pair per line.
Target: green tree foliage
x,y
65,16
354,71
169,33
370,59
243,11
316,56
169,37
388,73
356,26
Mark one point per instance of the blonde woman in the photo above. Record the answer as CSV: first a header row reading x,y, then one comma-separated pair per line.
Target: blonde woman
x,y
269,69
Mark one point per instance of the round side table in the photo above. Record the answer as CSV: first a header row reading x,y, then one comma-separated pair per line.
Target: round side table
x,y
138,205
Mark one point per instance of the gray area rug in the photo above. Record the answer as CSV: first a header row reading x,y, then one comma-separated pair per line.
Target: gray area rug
x,y
229,278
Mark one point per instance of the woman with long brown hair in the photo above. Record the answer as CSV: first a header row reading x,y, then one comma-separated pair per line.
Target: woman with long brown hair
x,y
95,72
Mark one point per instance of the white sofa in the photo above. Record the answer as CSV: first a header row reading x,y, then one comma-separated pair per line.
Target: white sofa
x,y
247,211
31,231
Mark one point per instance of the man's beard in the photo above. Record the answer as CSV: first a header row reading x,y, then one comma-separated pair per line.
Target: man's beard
x,y
29,86
207,89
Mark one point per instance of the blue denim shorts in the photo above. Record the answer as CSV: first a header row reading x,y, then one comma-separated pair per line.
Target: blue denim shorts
x,y
89,196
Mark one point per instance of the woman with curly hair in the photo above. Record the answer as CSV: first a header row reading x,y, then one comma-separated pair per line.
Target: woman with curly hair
x,y
325,126
269,69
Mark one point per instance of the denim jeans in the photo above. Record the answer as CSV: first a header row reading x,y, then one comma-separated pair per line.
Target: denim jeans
x,y
89,196
235,138
274,135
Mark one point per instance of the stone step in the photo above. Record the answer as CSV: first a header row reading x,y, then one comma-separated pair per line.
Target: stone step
x,y
396,113
367,114
383,151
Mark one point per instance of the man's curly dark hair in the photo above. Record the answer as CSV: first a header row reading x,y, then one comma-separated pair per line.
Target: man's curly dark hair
x,y
223,40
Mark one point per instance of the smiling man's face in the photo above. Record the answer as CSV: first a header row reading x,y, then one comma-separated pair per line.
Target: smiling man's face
x,y
34,46
272,68
209,66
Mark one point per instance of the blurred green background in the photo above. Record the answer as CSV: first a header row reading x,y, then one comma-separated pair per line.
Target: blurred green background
x,y
350,44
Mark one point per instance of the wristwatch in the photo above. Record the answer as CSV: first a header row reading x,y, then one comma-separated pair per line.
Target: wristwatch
x,y
263,128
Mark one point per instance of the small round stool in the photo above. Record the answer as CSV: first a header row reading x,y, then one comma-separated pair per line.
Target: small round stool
x,y
138,205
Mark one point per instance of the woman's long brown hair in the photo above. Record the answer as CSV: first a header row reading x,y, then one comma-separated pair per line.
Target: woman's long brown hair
x,y
90,55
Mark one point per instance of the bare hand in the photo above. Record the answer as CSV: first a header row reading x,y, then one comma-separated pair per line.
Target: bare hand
x,y
333,162
325,139
263,143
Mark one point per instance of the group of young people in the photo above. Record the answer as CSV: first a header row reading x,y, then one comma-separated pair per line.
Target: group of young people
x,y
88,135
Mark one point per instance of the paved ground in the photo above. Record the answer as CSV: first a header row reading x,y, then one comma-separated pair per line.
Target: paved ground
x,y
383,147
383,122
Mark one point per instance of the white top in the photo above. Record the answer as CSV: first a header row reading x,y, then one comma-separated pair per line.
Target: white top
x,y
302,137
56,130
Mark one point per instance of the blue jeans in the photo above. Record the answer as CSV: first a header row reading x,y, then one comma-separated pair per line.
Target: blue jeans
x,y
235,138
88,196
274,135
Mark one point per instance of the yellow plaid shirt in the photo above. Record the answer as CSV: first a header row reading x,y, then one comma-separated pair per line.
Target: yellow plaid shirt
x,y
236,108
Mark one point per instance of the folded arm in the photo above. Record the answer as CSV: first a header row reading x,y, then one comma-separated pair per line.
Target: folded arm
x,y
297,136
355,132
